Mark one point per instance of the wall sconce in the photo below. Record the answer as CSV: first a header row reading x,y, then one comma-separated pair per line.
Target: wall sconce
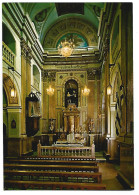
x,y
109,89
85,91
13,91
50,90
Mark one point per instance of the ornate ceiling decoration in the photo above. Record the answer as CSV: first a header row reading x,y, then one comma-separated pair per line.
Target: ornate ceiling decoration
x,y
39,20
40,17
97,10
70,25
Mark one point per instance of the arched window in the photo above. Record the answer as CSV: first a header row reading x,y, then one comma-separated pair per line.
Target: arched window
x,y
36,77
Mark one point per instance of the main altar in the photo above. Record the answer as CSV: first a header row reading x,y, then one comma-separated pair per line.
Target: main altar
x,y
74,137
71,119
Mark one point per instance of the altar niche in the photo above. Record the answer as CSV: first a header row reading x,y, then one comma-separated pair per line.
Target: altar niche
x,y
71,93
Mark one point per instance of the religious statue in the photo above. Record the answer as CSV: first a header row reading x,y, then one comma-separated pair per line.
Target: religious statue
x,y
91,125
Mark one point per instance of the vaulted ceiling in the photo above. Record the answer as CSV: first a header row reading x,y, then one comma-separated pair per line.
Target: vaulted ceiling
x,y
56,20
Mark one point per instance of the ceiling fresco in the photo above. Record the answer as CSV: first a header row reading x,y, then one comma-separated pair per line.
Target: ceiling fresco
x,y
47,15
78,40
73,26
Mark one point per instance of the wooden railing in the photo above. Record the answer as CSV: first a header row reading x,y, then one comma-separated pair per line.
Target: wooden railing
x,y
8,55
65,151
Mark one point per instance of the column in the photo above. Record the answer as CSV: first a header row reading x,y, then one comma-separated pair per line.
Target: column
x,y
65,123
95,106
23,85
28,72
26,57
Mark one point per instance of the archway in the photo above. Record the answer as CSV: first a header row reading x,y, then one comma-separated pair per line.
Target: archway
x,y
36,77
8,38
8,84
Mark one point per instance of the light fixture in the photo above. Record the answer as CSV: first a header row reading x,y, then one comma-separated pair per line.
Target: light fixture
x,y
85,91
109,89
66,48
13,91
50,90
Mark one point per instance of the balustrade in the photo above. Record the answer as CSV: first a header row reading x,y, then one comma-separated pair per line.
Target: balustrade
x,y
8,55
65,151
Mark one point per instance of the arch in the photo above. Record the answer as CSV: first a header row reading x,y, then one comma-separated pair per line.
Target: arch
x,y
8,38
71,78
80,85
36,72
115,74
116,81
36,77
7,85
5,101
70,25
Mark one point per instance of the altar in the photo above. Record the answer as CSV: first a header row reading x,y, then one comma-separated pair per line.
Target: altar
x,y
71,119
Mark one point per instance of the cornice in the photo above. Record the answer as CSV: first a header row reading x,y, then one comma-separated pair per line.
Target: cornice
x,y
105,28
23,27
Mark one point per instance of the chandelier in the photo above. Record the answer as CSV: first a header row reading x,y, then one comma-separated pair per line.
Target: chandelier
x,y
85,91
66,48
50,90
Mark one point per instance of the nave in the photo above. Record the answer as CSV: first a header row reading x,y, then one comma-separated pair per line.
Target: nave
x,y
60,173
68,109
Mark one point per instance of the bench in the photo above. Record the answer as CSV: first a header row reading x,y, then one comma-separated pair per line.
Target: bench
x,y
53,175
52,167
14,184
52,162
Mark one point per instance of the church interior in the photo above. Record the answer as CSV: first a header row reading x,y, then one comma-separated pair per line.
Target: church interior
x,y
68,96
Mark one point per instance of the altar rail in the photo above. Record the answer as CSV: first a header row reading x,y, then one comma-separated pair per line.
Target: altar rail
x,y
65,151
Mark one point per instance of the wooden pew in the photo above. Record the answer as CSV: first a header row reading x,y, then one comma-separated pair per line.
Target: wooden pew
x,y
14,184
52,167
63,176
52,162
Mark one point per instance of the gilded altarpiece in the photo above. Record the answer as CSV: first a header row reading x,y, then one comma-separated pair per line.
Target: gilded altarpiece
x,y
61,78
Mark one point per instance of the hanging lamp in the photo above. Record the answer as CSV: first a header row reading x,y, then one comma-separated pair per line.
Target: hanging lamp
x,y
66,48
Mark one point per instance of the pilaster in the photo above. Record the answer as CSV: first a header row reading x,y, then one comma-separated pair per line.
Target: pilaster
x,y
25,81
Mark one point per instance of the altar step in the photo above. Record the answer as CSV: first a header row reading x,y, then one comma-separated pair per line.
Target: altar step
x,y
100,157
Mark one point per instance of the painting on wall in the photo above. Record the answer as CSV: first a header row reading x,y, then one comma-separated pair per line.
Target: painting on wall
x,y
71,93
78,40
